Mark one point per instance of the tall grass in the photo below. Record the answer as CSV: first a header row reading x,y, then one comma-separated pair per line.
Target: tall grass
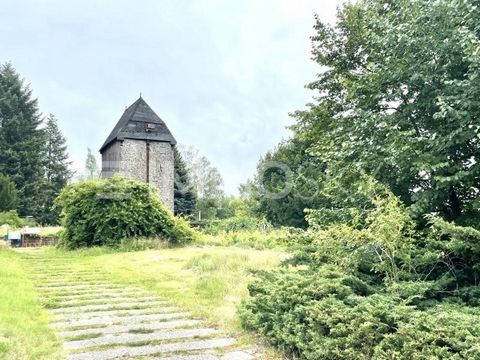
x,y
283,238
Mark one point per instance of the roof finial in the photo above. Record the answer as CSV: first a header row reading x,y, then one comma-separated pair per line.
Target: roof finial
x,y
140,94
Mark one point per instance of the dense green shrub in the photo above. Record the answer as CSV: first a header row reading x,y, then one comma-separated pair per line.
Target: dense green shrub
x,y
103,212
370,288
326,314
11,218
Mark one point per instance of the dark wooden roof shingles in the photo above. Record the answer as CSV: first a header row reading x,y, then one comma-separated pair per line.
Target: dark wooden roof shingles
x,y
133,125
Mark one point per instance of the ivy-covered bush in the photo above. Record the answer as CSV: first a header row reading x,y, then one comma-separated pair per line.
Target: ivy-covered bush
x,y
104,212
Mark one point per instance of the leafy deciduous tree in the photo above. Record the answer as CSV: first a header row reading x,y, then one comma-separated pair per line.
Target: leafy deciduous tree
x,y
91,167
206,181
400,100
287,182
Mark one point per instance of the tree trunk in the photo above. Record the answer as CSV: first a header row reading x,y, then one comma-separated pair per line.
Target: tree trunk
x,y
455,205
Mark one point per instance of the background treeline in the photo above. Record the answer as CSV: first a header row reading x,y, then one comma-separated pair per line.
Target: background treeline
x,y
34,164
384,175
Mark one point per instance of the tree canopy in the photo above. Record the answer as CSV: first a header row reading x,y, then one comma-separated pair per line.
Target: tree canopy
x,y
397,99
91,166
206,182
57,172
288,181
21,141
8,194
185,197
33,151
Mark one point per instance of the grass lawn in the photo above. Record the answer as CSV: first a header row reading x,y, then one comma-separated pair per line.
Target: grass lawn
x,y
208,282
24,331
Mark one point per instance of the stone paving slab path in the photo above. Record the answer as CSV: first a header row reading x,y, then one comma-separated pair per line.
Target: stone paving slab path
x,y
86,315
110,306
65,303
101,320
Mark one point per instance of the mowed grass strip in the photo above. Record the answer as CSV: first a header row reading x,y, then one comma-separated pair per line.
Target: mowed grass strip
x,y
24,330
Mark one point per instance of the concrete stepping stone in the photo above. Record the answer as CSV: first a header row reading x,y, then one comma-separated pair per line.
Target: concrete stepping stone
x,y
115,329
125,339
106,301
104,285
78,277
116,313
238,355
110,320
125,291
73,282
189,357
46,276
99,292
131,305
153,349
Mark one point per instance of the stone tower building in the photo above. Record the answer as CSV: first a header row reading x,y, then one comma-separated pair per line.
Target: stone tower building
x,y
140,147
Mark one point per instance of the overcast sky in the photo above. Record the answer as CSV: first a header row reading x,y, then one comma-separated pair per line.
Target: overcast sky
x,y
222,74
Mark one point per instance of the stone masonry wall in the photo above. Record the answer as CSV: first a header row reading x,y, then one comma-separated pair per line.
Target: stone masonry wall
x,y
133,155
129,158
162,171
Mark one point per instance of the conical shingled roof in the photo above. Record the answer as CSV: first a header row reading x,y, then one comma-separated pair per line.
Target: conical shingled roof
x,y
140,122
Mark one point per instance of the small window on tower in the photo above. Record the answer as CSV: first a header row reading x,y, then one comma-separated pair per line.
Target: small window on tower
x,y
150,126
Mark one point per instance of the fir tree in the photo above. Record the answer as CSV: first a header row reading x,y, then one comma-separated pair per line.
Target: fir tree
x,y
21,140
185,197
8,194
57,172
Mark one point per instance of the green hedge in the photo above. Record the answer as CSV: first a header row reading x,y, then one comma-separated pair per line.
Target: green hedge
x,y
103,212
